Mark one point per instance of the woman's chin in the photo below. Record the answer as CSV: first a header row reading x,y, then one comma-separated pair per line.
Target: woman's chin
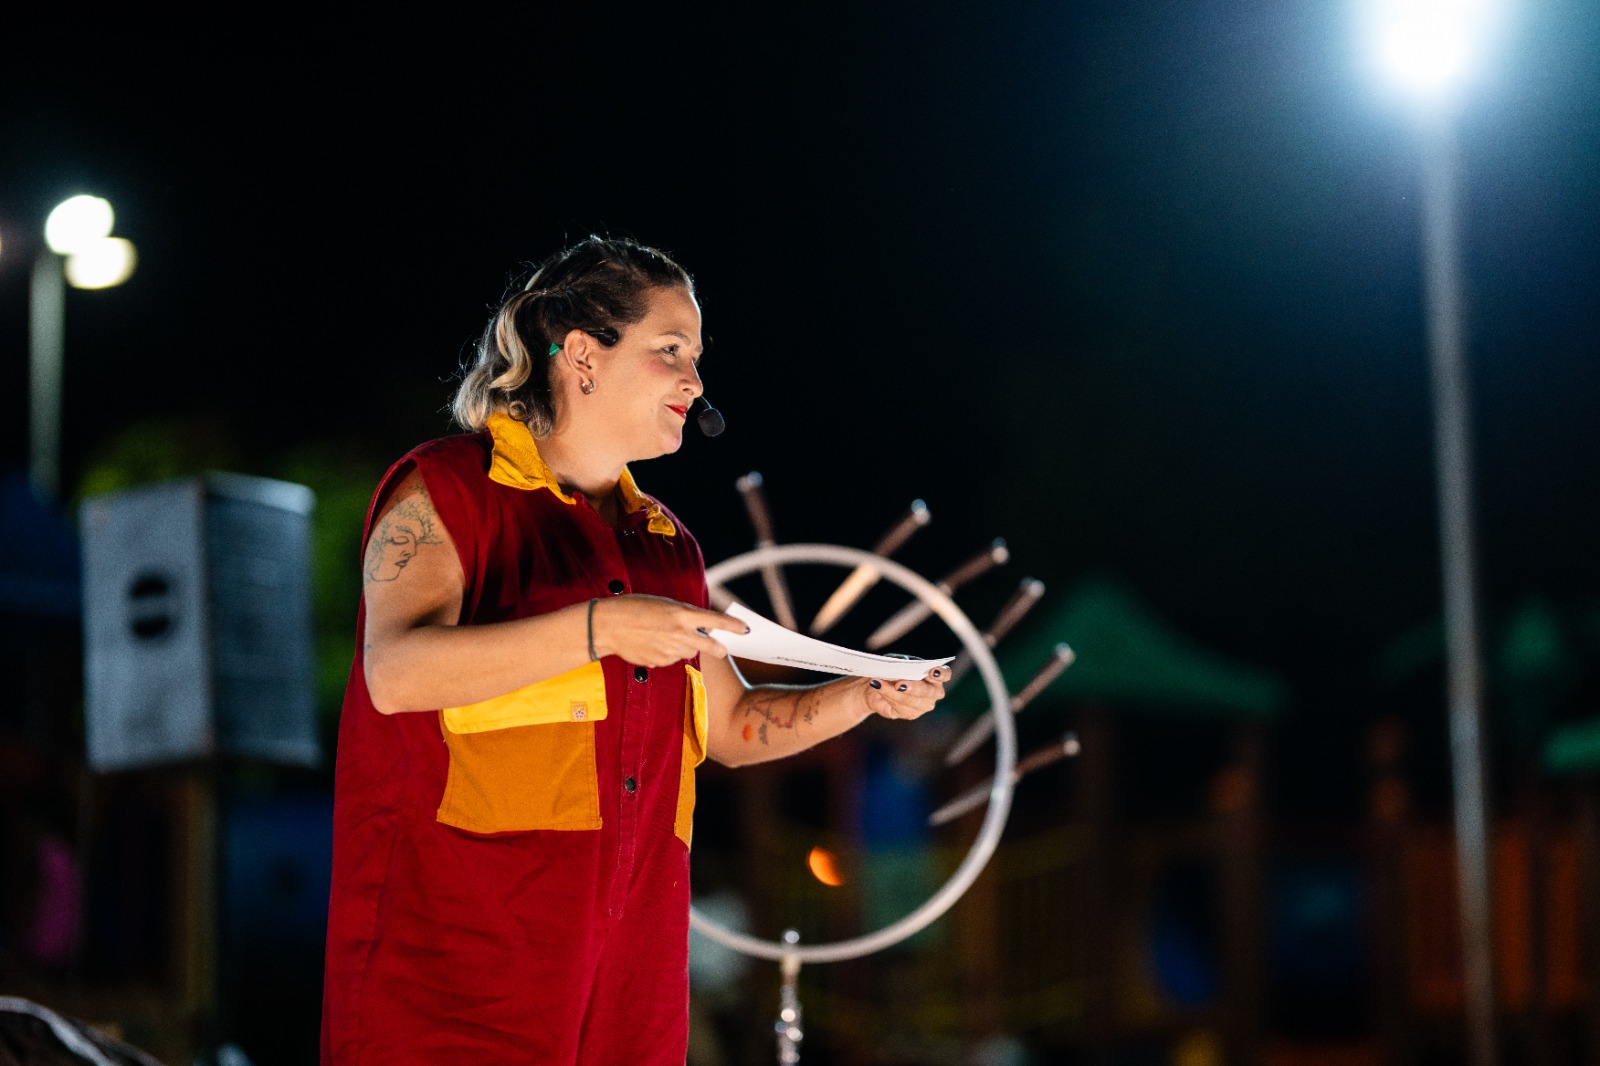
x,y
665,446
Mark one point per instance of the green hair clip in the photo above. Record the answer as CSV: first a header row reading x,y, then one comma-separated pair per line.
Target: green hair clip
x,y
554,348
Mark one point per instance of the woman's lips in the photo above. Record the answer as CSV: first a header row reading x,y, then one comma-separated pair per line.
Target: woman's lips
x,y
682,412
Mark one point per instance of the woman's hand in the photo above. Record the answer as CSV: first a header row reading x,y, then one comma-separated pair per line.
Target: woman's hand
x,y
655,631
750,725
906,699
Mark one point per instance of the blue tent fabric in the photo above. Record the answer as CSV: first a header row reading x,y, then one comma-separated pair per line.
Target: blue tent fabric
x,y
39,573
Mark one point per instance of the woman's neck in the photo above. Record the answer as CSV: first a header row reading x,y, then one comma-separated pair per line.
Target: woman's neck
x,y
579,470
607,506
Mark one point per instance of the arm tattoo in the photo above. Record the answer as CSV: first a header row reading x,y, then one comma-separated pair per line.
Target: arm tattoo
x,y
409,524
778,708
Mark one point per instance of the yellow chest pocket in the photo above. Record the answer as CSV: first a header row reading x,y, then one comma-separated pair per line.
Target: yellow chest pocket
x,y
694,752
526,760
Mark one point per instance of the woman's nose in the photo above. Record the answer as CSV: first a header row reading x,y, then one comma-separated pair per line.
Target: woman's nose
x,y
691,381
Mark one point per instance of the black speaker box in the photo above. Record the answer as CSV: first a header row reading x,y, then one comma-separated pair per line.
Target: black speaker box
x,y
197,623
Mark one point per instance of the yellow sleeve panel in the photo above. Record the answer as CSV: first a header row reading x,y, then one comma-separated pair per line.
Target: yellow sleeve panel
x,y
575,696
694,753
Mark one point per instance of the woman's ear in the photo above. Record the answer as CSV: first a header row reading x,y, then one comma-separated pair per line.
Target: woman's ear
x,y
577,351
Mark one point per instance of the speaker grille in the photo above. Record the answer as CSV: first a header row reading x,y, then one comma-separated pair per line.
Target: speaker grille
x,y
197,622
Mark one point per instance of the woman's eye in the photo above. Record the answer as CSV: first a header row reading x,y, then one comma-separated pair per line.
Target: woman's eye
x,y
672,350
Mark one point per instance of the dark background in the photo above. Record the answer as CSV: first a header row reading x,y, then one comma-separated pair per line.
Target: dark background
x,y
1133,285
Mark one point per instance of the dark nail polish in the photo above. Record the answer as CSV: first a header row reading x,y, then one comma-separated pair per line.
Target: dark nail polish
x,y
875,684
747,631
900,688
937,672
701,631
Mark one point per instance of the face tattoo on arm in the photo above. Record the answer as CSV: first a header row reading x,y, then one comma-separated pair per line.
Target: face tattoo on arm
x,y
407,526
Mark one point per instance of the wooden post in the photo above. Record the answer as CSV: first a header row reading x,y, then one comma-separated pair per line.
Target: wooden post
x,y
1095,812
1588,832
978,928
1388,804
1537,840
196,904
844,758
1236,801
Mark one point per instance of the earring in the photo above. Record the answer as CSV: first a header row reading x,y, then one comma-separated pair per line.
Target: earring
x,y
586,387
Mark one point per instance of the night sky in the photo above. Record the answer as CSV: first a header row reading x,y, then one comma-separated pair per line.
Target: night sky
x,y
1133,285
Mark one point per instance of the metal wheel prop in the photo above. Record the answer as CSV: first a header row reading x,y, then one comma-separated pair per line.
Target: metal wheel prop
x,y
928,599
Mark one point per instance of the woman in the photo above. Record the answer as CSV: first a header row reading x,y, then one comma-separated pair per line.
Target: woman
x,y
511,867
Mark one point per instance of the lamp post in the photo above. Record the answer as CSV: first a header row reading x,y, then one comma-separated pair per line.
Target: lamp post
x,y
1453,472
1427,47
79,250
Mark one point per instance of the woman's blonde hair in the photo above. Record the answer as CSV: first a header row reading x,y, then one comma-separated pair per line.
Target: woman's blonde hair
x,y
599,285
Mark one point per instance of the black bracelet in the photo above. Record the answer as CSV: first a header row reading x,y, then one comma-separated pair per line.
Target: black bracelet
x,y
592,655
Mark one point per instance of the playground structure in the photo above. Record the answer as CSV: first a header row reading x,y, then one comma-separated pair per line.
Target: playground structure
x,y
1108,923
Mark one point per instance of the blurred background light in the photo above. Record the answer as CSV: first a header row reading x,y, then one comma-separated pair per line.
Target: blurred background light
x,y
101,263
76,223
1429,47
824,867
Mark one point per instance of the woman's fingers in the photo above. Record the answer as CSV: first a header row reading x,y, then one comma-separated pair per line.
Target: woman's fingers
x,y
724,621
673,646
718,620
906,699
654,631
707,622
709,645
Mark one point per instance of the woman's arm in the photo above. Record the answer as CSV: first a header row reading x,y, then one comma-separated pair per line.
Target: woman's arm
x,y
417,658
749,725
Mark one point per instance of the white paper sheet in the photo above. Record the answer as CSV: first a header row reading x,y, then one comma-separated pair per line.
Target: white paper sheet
x,y
768,642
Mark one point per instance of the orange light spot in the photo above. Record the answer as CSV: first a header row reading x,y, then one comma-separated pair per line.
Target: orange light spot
x,y
824,868
748,731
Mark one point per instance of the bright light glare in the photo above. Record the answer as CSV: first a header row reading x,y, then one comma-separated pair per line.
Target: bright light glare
x,y
77,222
1428,46
101,264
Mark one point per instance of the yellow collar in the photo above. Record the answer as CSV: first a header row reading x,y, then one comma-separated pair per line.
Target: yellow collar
x,y
516,462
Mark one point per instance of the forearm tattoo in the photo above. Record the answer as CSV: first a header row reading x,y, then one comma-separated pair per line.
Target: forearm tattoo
x,y
400,533
778,709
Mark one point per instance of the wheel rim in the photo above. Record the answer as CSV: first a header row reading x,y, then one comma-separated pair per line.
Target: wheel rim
x,y
988,838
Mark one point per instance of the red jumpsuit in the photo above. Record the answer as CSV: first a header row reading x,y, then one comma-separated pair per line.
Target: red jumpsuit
x,y
519,893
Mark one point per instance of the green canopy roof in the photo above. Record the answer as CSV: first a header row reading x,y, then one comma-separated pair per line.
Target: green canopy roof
x,y
1127,657
1574,749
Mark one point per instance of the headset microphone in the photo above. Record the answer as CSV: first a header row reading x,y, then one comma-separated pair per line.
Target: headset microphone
x,y
710,419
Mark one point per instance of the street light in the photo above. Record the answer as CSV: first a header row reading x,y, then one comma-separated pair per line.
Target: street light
x,y
79,249
1429,49
78,222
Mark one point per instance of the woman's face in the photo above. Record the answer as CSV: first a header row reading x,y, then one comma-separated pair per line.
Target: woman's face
x,y
644,385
